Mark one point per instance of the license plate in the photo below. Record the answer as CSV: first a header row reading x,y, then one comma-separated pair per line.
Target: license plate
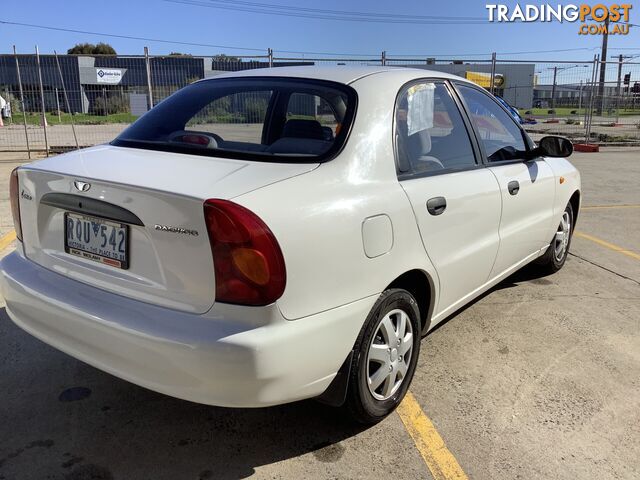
x,y
103,241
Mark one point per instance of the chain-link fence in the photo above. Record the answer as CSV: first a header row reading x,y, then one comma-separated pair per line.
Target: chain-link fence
x,y
60,102
595,102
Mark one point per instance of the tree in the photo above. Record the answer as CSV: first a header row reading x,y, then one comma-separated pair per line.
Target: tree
x,y
91,49
81,48
225,58
178,54
104,49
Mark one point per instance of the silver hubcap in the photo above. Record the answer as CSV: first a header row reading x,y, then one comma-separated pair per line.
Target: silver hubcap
x,y
561,241
389,354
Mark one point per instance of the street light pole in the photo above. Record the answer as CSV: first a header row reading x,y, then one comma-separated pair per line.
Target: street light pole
x,y
553,88
621,59
603,67
555,81
619,88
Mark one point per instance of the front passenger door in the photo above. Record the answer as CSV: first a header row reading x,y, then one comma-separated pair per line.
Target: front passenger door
x,y
527,188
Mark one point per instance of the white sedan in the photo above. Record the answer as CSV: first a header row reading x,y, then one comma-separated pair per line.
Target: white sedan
x,y
274,235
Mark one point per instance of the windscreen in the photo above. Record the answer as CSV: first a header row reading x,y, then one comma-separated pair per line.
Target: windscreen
x,y
266,118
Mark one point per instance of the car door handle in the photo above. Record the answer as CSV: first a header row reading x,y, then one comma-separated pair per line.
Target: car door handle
x,y
514,187
436,205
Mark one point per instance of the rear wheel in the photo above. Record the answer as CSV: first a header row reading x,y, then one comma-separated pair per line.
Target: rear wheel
x,y
556,254
386,354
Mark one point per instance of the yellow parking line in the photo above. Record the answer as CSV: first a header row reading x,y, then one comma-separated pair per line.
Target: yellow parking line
x,y
441,462
608,245
6,240
599,207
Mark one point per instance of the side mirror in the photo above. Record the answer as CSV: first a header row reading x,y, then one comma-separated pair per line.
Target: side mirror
x,y
555,147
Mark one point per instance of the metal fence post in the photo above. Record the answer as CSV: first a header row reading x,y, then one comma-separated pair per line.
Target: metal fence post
x,y
589,85
24,114
44,111
493,73
66,100
384,58
580,98
553,87
589,113
58,105
270,55
148,65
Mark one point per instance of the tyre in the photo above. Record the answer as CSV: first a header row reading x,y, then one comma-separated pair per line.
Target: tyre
x,y
555,256
385,357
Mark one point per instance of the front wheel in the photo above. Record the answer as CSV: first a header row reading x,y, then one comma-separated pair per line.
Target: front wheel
x,y
556,254
386,354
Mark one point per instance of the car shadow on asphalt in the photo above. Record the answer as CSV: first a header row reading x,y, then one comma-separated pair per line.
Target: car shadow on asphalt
x,y
98,426
531,273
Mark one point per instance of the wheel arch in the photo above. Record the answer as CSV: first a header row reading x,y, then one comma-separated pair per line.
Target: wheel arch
x,y
575,205
417,282
420,284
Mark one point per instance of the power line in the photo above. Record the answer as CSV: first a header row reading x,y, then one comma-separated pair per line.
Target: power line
x,y
485,54
288,12
341,15
146,39
172,42
560,50
233,47
176,42
288,8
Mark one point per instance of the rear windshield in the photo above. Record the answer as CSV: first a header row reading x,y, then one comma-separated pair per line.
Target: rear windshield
x,y
261,118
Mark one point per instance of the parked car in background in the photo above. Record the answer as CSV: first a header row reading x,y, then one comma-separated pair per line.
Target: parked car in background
x,y
5,110
515,113
274,235
512,110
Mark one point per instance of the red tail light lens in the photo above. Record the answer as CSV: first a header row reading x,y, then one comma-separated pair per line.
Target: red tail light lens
x,y
247,259
14,197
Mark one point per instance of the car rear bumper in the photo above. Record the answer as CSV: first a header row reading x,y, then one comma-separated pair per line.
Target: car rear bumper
x,y
232,356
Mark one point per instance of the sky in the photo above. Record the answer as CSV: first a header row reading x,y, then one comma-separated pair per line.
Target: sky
x,y
255,32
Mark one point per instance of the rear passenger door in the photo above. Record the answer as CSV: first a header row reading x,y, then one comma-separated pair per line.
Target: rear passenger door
x,y
527,187
455,200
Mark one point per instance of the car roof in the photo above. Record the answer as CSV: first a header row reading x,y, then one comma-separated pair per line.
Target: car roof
x,y
346,74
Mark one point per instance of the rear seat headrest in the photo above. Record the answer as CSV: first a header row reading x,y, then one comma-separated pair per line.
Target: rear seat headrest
x,y
298,128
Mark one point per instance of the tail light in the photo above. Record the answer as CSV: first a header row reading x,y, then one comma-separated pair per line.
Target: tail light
x,y
247,259
14,197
